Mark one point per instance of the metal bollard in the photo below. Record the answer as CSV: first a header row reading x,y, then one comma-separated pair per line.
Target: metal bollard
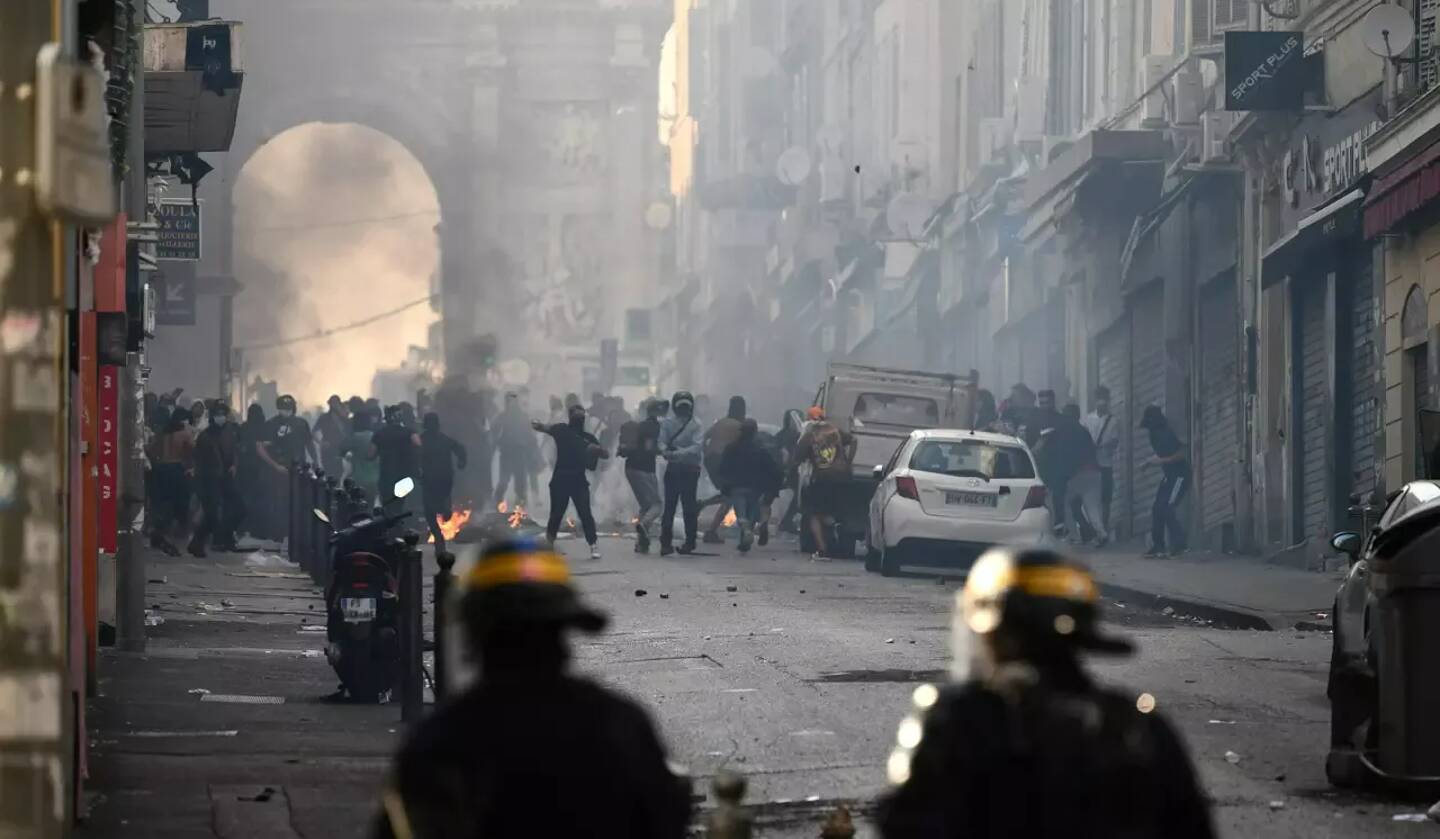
x,y
304,528
412,628
318,539
335,508
292,503
443,580
729,820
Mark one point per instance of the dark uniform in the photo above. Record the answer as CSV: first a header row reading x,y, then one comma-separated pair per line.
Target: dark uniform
x,y
1028,746
529,750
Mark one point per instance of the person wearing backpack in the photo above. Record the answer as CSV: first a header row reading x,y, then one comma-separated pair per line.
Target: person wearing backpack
x,y
639,445
829,451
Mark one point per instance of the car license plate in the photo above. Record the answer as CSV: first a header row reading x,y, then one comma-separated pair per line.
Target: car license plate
x,y
358,609
972,499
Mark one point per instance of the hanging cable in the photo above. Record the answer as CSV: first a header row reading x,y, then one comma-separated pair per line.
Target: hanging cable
x,y
326,333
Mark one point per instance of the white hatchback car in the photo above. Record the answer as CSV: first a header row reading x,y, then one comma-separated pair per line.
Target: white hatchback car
x,y
946,496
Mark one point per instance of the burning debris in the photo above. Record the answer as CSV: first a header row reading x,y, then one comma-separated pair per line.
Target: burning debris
x,y
452,526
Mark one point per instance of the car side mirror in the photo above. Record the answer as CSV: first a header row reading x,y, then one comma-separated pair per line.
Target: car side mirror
x,y
878,473
1347,542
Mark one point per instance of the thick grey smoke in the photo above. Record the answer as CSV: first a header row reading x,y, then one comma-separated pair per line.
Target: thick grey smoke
x,y
334,224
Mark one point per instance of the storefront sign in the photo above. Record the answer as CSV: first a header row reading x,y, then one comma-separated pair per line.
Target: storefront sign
x,y
1326,157
1265,71
179,230
107,465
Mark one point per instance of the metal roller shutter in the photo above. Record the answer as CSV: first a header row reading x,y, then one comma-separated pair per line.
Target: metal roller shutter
x,y
1312,368
1113,357
1147,387
1362,370
1219,413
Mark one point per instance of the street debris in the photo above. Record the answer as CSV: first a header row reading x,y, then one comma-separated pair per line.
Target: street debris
x,y
1232,758
640,592
707,638
1168,611
229,604
312,628
889,640
241,699
198,691
1277,805
664,597
262,559
209,607
1119,605
153,619
1312,626
159,581
732,589
802,591
1221,722
1415,818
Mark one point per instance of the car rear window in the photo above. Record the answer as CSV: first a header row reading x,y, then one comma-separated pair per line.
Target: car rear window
x,y
972,459
892,409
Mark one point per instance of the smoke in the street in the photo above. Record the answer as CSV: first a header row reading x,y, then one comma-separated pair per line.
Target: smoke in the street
x,y
334,224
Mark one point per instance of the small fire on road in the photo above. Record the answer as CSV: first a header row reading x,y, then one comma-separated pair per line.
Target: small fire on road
x,y
452,526
730,519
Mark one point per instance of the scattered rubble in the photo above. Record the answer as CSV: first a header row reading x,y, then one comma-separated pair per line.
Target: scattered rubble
x,y
197,691
889,640
732,589
1277,805
1232,758
640,592
1168,611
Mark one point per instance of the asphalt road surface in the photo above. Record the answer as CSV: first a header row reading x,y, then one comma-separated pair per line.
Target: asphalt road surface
x,y
792,672
795,673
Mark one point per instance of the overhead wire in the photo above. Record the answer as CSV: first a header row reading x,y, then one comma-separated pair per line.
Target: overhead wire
x,y
346,223
326,333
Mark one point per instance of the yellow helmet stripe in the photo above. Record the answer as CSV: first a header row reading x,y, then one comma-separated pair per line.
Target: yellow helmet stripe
x,y
537,567
1056,581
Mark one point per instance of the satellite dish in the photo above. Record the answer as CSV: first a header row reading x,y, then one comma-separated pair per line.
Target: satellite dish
x,y
1389,31
906,215
658,216
793,166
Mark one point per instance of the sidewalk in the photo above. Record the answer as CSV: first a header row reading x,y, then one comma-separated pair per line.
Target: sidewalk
x,y
225,704
1240,589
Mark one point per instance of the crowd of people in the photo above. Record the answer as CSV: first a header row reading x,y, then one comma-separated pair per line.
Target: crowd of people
x,y
1075,456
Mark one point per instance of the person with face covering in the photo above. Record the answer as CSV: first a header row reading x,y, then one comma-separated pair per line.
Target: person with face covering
x,y
681,444
577,451
440,456
287,442
514,441
250,477
216,482
748,474
333,427
397,448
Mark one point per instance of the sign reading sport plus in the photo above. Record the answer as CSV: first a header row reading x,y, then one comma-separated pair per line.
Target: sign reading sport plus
x,y
1264,71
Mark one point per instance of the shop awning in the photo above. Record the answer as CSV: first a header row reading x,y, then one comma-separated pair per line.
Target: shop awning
x,y
1403,191
1323,228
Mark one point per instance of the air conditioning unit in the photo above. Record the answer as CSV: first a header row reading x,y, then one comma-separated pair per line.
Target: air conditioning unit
x,y
1156,66
1189,94
994,138
1215,127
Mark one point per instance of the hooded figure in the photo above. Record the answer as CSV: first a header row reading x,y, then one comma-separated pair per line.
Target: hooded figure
x,y
639,446
440,456
718,438
529,749
1023,722
217,466
1167,533
577,451
748,475
681,446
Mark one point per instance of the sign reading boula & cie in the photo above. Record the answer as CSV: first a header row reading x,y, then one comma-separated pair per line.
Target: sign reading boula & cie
x,y
1264,71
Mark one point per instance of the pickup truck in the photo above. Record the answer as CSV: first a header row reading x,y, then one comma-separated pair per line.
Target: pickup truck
x,y
881,406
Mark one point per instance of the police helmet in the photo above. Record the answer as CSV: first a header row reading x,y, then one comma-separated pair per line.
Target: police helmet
x,y
1036,598
519,581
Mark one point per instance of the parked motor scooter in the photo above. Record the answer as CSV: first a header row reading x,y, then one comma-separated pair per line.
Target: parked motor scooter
x,y
363,602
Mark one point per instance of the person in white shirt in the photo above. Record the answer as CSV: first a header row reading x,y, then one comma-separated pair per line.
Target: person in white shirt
x,y
1105,431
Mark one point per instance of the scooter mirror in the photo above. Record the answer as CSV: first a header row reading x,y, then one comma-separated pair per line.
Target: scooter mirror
x,y
320,514
404,487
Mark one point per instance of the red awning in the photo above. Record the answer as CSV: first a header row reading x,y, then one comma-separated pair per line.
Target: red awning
x,y
1402,192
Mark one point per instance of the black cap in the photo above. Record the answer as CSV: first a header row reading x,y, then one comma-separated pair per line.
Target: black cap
x,y
1153,417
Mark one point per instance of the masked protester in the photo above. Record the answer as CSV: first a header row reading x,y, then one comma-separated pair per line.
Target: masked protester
x,y
639,446
397,448
252,475
718,438
577,451
1024,744
440,456
217,465
333,427
1167,533
530,750
749,475
681,446
287,443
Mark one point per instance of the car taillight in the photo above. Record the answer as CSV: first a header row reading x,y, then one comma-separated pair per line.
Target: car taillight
x,y
1035,498
906,488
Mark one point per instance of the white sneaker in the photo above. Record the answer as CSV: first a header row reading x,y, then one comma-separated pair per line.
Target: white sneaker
x,y
594,551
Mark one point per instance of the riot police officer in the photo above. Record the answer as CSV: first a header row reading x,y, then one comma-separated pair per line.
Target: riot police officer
x,y
1024,744
530,750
